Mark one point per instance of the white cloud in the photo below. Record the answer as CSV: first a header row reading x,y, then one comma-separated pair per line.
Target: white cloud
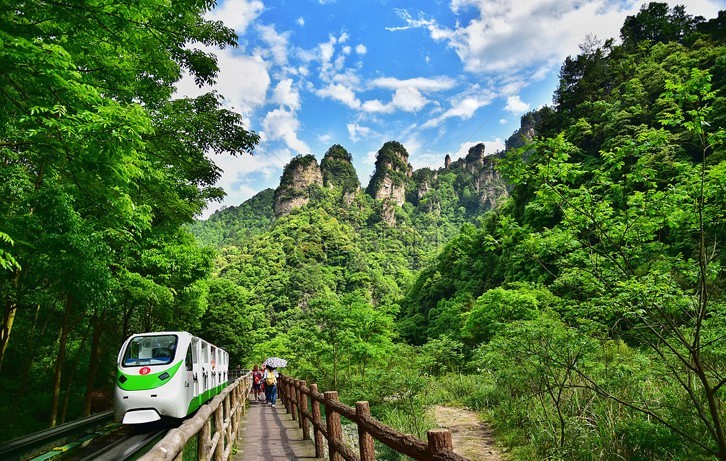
x,y
420,83
516,106
376,106
301,21
284,94
510,36
242,80
281,124
409,99
347,50
340,92
237,14
361,49
277,44
357,132
408,95
464,107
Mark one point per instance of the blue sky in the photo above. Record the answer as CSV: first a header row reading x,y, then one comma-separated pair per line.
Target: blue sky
x,y
436,75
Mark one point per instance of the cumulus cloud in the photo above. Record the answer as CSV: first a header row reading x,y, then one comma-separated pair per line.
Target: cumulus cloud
x,y
409,99
237,14
516,106
420,83
408,93
281,124
340,92
357,132
509,36
276,44
361,49
300,21
242,80
464,106
285,95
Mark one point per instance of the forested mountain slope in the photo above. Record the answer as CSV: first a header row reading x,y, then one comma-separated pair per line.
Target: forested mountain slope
x,y
593,299
588,305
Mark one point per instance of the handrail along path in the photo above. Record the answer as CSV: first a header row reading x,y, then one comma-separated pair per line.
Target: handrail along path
x,y
295,395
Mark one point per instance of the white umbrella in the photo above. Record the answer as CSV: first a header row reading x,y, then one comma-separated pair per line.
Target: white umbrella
x,y
275,362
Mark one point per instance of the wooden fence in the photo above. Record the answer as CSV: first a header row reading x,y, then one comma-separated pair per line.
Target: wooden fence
x,y
303,403
214,428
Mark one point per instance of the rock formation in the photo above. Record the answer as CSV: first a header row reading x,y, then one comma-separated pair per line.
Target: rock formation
x,y
338,171
298,177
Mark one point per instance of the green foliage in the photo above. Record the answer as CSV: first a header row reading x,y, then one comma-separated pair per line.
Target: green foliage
x,y
235,225
338,171
100,168
615,219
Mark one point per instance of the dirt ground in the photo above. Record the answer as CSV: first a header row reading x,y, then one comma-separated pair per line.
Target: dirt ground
x,y
472,438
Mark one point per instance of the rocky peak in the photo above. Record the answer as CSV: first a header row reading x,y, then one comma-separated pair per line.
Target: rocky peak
x,y
391,175
474,160
338,171
298,177
526,132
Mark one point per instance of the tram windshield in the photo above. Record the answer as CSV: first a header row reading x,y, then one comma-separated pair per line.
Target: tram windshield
x,y
150,350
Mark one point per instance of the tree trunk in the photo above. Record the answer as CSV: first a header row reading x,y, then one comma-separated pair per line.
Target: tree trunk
x,y
7,326
98,322
71,376
60,360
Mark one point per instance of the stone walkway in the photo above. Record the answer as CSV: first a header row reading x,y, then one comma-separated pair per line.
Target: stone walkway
x,y
268,434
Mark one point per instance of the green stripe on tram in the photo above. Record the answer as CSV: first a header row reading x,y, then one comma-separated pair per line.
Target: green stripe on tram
x,y
202,398
150,381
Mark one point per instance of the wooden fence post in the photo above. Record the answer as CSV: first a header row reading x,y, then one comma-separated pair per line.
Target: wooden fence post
x,y
304,423
365,440
317,421
439,440
335,431
286,391
203,442
219,434
293,398
228,418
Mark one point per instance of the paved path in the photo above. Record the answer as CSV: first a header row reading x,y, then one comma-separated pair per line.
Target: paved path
x,y
268,434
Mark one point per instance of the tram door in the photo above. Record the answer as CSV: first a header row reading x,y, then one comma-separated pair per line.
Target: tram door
x,y
214,364
205,366
192,365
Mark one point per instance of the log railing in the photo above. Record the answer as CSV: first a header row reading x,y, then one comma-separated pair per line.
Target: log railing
x,y
303,404
214,427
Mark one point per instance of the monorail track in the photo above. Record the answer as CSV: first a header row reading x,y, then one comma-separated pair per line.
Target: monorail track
x,y
93,438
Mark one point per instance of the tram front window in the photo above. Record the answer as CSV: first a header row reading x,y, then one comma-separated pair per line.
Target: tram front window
x,y
150,350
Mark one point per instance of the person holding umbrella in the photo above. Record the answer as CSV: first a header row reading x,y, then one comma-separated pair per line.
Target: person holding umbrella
x,y
269,378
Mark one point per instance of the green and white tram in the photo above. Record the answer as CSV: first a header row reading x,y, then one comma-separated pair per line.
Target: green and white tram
x,y
166,374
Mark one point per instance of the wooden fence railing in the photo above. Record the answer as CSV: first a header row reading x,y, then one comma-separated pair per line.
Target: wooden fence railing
x,y
214,428
303,403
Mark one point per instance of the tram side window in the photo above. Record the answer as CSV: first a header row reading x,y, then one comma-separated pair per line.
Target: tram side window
x,y
188,360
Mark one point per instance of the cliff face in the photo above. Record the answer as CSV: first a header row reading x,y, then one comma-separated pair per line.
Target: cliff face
x,y
488,182
391,179
392,174
338,171
471,182
299,176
